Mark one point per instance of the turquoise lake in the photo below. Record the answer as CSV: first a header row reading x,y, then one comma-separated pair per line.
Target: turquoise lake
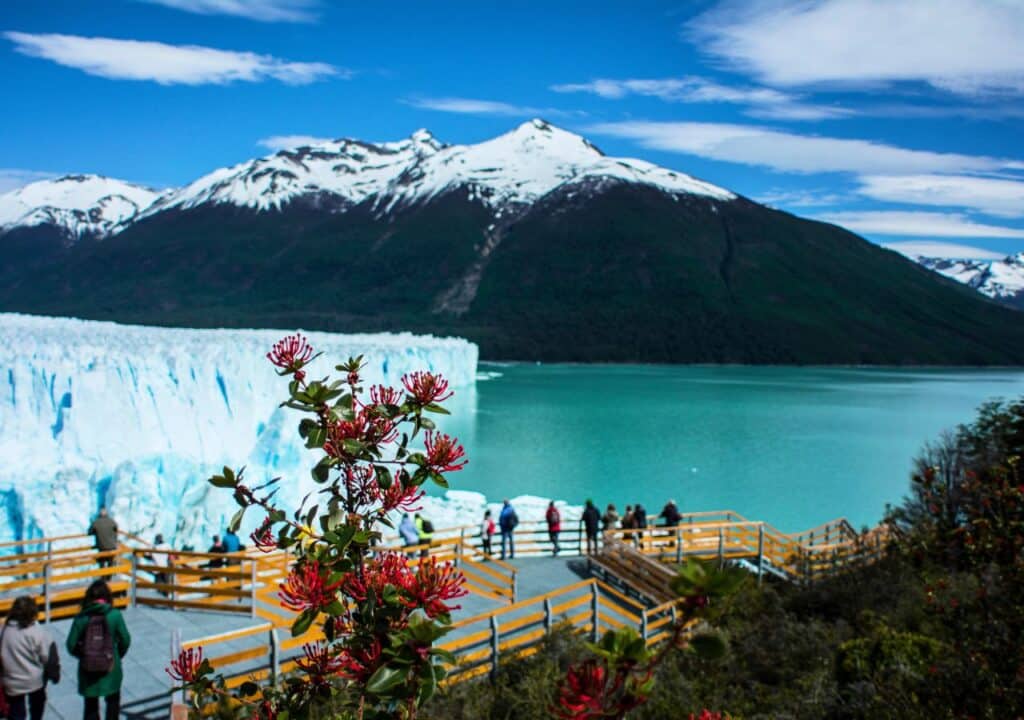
x,y
792,446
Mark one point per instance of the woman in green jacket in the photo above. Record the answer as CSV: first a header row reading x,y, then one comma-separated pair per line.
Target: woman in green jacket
x,y
97,645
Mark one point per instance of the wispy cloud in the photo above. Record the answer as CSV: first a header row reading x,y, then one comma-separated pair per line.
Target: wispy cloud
x,y
791,152
967,47
262,10
918,224
287,142
800,198
993,196
14,178
473,106
934,249
166,64
761,102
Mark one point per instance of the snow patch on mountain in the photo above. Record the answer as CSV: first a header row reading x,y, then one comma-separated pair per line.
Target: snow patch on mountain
x,y
999,279
78,204
136,418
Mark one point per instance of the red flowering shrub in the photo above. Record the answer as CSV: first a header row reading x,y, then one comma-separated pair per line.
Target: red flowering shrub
x,y
379,617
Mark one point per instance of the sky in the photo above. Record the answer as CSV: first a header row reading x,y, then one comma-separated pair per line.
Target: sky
x,y
902,120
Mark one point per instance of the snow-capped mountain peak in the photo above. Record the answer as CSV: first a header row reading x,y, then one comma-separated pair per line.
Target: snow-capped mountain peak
x,y
505,173
1001,280
78,204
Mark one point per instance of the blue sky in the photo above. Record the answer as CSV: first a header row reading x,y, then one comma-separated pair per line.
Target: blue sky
x,y
900,119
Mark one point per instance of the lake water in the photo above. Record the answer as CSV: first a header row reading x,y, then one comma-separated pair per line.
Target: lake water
x,y
791,446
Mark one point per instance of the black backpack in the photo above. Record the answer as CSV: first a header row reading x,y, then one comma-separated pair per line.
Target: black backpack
x,y
428,527
97,644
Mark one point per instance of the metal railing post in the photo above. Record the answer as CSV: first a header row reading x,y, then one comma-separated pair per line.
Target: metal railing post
x,y
252,588
579,537
133,580
721,546
495,646
643,625
594,631
514,584
49,550
760,552
46,590
679,545
275,661
547,616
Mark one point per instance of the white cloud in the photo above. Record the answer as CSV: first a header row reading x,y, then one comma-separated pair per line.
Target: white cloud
x,y
918,224
165,64
764,102
993,196
800,198
933,249
471,106
789,152
287,142
14,178
262,10
970,47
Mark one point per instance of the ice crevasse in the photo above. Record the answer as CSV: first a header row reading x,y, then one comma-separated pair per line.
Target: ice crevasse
x,y
136,418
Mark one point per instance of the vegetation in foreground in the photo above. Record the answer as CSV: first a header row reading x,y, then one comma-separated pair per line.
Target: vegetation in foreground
x,y
933,630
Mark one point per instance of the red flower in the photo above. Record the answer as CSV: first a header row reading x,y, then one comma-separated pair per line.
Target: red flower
x,y
582,693
360,663
388,568
264,711
290,354
444,452
706,714
263,537
432,585
185,668
319,662
426,388
400,497
306,588
383,395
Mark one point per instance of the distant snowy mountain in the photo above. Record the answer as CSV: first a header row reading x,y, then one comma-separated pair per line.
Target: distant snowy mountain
x,y
1001,280
509,172
78,205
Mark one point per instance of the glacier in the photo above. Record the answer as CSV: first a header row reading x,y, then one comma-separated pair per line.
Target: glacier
x,y
136,418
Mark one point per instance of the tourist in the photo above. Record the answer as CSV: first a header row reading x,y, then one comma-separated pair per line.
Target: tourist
x,y
487,532
28,659
610,519
105,530
591,523
407,531
99,639
671,514
554,520
640,523
507,522
165,559
628,523
217,548
424,533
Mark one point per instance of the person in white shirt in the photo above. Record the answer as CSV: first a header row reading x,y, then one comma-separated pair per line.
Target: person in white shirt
x,y
28,658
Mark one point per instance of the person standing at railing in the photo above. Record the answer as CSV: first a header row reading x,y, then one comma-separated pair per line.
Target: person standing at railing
x,y
487,531
407,531
217,547
610,519
671,514
507,522
591,525
424,533
628,523
105,531
640,523
554,520
99,639
28,660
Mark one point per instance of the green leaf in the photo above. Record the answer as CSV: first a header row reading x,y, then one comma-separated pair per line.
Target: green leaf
x,y
384,680
709,646
435,408
383,476
222,482
439,479
302,622
236,520
248,688
321,471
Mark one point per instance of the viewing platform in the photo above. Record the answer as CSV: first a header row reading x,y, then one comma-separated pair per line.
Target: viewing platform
x,y
227,603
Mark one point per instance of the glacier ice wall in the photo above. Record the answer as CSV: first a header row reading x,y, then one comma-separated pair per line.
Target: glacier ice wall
x,y
136,418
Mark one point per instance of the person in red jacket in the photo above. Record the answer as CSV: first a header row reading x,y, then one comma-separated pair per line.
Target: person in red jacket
x,y
554,519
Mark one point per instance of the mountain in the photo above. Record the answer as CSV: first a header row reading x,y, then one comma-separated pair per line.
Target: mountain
x,y
534,244
1001,280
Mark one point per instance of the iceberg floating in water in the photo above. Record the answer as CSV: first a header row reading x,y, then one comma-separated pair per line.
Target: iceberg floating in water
x,y
136,418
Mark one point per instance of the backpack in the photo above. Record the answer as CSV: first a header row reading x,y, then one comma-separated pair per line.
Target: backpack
x,y
97,646
490,527
428,527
